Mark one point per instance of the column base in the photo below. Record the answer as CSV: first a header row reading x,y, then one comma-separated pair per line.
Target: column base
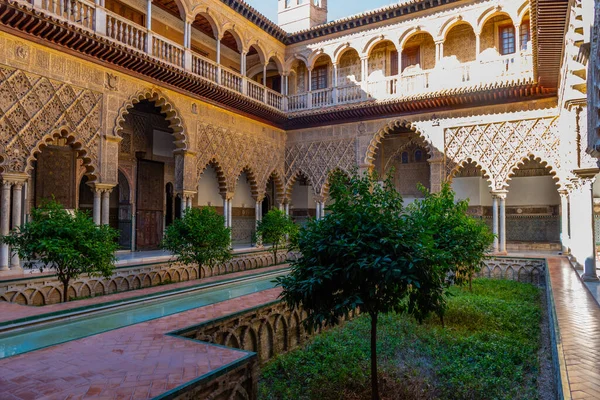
x,y
590,278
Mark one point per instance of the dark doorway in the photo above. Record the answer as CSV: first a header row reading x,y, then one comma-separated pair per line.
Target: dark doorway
x,y
149,214
169,195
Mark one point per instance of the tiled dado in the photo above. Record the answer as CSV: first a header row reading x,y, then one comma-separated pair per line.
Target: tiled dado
x,y
46,289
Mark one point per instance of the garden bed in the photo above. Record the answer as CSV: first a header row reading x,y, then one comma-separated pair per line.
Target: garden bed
x,y
491,348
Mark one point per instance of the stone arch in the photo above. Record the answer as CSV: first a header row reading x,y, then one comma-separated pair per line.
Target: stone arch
x,y
554,171
38,299
279,62
490,13
83,152
230,27
379,135
210,16
314,56
523,11
279,185
221,178
290,184
173,116
295,57
341,50
251,179
461,164
451,23
372,42
405,36
260,50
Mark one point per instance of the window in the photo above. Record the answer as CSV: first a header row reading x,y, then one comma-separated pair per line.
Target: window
x,y
319,78
524,35
405,158
507,39
411,56
418,155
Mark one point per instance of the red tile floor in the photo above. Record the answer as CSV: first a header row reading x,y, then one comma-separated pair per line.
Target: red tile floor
x,y
140,361
578,316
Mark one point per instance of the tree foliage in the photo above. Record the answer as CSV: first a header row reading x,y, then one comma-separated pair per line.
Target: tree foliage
x,y
454,245
373,253
199,237
276,228
69,243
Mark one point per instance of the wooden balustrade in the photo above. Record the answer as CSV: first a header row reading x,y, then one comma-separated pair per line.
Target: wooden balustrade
x,y
79,12
167,51
205,68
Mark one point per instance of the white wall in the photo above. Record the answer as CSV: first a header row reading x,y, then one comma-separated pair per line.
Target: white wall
x,y
208,189
302,196
531,191
475,188
243,193
596,187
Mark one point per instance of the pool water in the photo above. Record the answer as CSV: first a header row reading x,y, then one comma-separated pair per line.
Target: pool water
x,y
37,337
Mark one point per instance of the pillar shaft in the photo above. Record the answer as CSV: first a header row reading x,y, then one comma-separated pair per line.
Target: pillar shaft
x,y
97,206
503,224
5,224
495,227
105,206
15,262
230,213
585,226
226,212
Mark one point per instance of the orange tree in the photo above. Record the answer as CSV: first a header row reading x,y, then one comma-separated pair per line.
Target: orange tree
x,y
69,243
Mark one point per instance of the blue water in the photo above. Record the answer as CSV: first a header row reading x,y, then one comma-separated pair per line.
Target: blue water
x,y
37,337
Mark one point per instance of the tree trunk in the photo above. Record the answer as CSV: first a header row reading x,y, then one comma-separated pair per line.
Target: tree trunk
x,y
65,291
374,375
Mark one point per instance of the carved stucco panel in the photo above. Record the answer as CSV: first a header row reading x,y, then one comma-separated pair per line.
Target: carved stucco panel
x,y
317,159
500,147
33,108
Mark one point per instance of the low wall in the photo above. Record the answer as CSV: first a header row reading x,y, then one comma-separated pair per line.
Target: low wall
x,y
527,270
43,289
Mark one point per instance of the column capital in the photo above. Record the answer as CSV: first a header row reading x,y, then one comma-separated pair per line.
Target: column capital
x,y
587,173
101,187
14,178
188,194
500,194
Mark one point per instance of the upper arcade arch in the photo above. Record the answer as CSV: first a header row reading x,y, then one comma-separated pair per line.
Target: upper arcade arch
x,y
375,41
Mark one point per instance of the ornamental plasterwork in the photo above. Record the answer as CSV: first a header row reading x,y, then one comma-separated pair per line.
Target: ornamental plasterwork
x,y
235,152
34,108
317,159
499,148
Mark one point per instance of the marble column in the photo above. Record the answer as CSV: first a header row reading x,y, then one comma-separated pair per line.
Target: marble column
x,y
97,206
318,210
495,227
5,225
226,212
257,212
230,213
15,262
287,209
502,223
564,221
322,209
106,206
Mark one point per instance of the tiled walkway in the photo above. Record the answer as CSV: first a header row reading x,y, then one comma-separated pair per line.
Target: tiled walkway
x,y
136,362
12,311
578,317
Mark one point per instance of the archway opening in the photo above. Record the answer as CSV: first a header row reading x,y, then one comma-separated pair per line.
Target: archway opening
x,y
55,174
498,36
208,189
533,207
147,151
243,212
204,37
469,183
302,200
418,54
460,43
404,152
121,215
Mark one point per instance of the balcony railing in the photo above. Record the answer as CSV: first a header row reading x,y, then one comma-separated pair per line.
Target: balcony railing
x,y
89,15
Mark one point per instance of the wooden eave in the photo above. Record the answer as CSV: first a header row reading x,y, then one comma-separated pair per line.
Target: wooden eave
x,y
549,23
433,102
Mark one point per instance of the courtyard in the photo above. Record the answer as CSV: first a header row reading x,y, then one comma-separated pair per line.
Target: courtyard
x,y
273,199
